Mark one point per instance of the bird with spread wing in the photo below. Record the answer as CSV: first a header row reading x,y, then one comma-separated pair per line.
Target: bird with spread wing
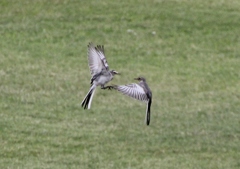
x,y
139,91
99,70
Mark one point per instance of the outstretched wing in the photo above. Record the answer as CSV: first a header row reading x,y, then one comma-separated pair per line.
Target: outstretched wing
x,y
96,59
133,90
100,51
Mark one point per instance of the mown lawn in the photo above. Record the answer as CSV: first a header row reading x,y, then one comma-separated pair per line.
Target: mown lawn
x,y
189,52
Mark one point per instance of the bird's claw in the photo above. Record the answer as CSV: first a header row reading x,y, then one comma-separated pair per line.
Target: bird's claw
x,y
108,87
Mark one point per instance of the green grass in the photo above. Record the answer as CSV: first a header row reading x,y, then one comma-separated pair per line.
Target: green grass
x,y
189,52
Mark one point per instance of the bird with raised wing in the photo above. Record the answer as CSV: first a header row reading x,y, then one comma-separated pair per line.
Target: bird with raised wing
x,y
139,91
99,70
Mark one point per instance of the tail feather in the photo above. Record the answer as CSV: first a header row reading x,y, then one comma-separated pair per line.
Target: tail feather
x,y
86,103
148,112
90,100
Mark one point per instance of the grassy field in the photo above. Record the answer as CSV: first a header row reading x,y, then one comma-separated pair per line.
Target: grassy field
x,y
188,50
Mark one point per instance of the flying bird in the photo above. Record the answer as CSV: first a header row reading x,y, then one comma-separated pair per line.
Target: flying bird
x,y
139,91
99,70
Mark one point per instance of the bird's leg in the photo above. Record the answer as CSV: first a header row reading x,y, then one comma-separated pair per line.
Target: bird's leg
x,y
106,87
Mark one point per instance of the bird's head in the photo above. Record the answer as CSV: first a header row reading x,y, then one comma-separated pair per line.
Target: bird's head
x,y
140,79
113,72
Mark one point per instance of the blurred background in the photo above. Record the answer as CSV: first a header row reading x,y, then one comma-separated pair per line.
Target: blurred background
x,y
188,50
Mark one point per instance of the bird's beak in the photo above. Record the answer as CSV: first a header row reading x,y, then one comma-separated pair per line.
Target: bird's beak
x,y
117,73
135,78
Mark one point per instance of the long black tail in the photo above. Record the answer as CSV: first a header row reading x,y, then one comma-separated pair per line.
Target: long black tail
x,y
148,112
86,103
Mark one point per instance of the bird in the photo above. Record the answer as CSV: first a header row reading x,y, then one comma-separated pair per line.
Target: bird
x,y
99,70
139,91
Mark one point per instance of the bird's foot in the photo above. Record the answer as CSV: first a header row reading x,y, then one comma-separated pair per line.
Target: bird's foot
x,y
107,87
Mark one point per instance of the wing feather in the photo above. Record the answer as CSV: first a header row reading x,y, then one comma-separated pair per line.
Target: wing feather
x,y
133,90
100,51
96,59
